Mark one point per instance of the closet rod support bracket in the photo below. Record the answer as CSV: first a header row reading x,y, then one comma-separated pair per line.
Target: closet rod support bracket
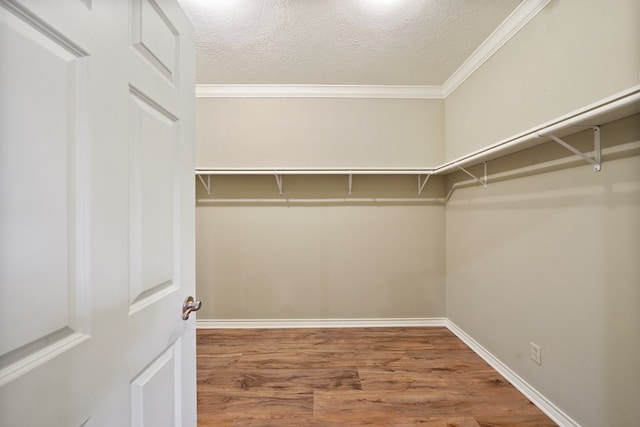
x,y
483,181
422,184
206,185
596,161
278,178
597,167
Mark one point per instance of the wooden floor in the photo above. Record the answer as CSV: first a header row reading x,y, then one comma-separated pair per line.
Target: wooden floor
x,y
352,377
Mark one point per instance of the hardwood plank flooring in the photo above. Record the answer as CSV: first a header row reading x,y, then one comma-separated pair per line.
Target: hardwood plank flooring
x,y
352,377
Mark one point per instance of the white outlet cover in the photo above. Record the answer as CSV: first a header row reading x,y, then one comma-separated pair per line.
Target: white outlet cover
x,y
536,353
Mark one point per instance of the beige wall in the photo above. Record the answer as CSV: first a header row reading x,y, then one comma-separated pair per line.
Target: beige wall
x,y
309,255
573,53
319,132
320,256
553,258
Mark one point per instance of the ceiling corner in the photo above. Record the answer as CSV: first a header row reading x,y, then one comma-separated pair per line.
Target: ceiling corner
x,y
502,34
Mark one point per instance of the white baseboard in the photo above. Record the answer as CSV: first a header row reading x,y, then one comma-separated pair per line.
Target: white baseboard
x,y
317,323
544,404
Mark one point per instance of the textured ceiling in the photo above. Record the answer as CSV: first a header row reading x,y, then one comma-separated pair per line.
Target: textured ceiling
x,y
350,42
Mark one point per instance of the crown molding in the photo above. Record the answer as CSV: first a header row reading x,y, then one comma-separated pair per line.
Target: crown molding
x,y
507,29
318,91
502,34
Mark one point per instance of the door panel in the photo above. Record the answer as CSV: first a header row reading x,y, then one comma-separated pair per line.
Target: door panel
x,y
153,145
155,37
96,218
155,397
40,194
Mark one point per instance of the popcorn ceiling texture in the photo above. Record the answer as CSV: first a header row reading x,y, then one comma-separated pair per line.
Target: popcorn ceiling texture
x,y
366,42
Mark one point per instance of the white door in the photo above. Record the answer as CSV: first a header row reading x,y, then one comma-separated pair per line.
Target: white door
x,y
96,213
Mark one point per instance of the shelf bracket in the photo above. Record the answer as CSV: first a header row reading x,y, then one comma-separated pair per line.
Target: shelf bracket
x,y
421,184
483,182
278,181
206,185
350,182
596,161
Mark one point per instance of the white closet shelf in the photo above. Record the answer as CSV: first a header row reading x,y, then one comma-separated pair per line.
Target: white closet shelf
x,y
315,171
615,107
622,104
278,173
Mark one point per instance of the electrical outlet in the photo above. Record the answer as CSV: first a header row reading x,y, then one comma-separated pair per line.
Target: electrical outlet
x,y
536,353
